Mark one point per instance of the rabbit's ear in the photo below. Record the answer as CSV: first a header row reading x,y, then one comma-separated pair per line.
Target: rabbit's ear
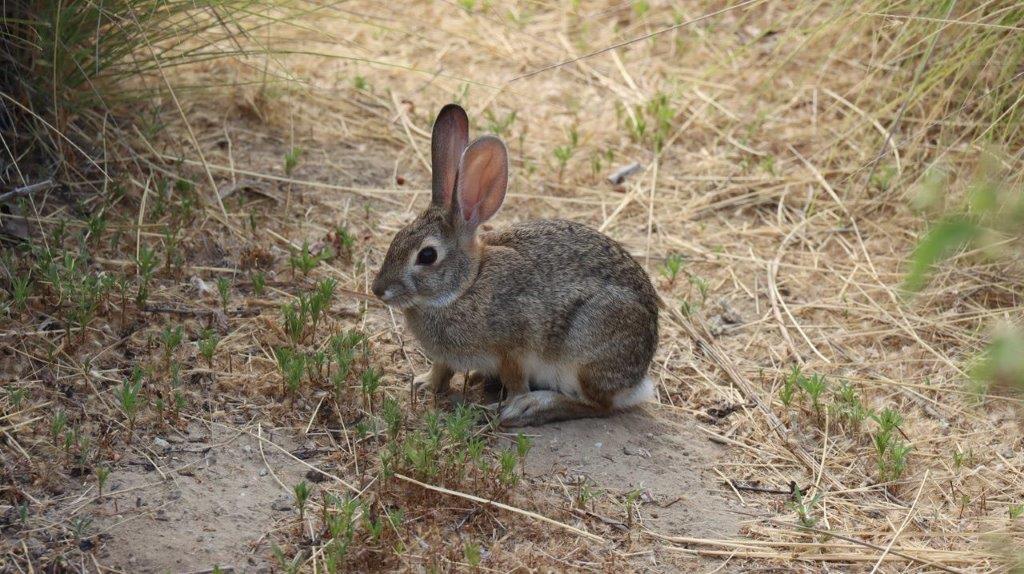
x,y
483,179
447,141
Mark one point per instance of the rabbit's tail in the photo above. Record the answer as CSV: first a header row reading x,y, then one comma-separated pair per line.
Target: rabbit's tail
x,y
633,396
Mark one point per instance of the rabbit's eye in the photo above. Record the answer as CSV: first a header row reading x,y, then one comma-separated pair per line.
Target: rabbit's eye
x,y
426,256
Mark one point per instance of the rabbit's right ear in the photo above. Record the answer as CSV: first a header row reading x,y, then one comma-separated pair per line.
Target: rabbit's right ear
x,y
447,141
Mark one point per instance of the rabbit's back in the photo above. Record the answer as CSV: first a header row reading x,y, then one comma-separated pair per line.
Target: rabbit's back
x,y
551,277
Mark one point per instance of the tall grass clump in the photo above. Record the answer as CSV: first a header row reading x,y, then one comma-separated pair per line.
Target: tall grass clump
x,y
68,67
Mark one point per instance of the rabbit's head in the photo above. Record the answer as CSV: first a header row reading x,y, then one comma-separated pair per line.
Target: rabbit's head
x,y
434,259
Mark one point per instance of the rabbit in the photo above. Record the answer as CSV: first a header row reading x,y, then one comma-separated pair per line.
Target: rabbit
x,y
560,313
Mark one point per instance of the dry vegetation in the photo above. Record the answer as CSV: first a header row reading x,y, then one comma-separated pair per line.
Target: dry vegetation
x,y
193,270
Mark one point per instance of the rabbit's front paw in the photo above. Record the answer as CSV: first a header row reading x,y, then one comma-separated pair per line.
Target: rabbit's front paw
x,y
436,380
524,409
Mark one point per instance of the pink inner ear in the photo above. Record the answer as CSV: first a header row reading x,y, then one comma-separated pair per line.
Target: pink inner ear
x,y
483,179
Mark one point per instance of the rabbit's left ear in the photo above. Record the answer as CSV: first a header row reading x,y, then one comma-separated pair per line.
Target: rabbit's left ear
x,y
482,181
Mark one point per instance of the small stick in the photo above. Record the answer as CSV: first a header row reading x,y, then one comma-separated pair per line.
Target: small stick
x,y
496,504
26,190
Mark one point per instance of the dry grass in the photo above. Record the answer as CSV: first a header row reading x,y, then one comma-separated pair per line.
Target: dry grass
x,y
782,149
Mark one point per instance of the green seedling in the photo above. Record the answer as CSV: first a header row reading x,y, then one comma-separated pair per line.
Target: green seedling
x,y
208,346
962,459
80,528
22,290
393,416
60,420
301,491
304,261
224,290
673,265
95,227
472,553
584,494
102,474
292,366
295,317
259,283
23,514
496,125
631,507
814,386
847,408
370,380
507,465
804,508
687,308
289,566
523,446
130,401
702,287
146,262
170,338
291,160
1016,511
564,153
789,386
17,396
360,83
345,240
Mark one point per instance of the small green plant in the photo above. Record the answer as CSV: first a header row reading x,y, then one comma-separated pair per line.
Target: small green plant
x,y
170,338
207,345
630,505
130,400
301,491
345,242
962,459
1015,511
60,420
22,290
564,153
584,494
291,160
259,283
289,566
498,125
702,287
846,408
224,291
891,454
471,551
393,416
304,261
292,366
370,380
804,508
673,265
814,386
789,386
102,474
80,526
294,317
523,446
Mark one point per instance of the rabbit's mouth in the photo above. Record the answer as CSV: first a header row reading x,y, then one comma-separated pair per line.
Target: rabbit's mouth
x,y
395,297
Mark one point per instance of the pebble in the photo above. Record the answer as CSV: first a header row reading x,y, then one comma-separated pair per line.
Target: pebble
x,y
282,504
161,443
